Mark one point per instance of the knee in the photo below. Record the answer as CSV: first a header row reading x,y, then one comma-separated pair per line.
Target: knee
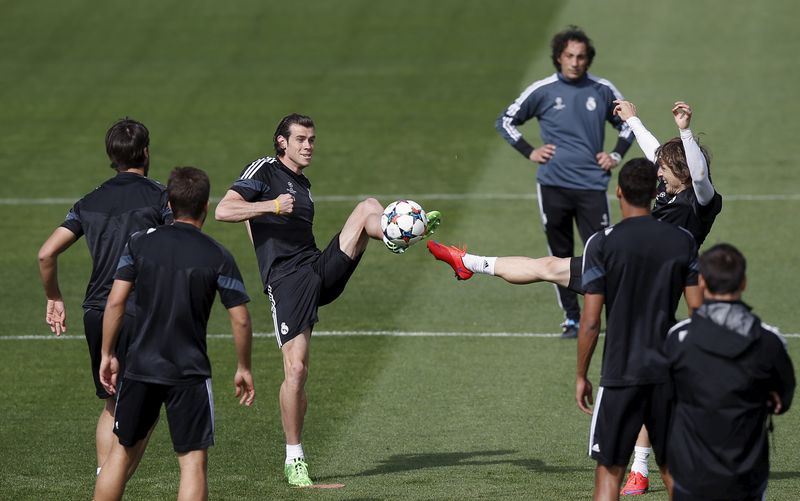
x,y
370,206
296,373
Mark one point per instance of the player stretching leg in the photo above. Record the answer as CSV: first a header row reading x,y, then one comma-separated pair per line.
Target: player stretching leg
x,y
273,196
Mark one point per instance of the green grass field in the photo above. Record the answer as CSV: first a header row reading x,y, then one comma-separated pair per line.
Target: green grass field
x,y
404,95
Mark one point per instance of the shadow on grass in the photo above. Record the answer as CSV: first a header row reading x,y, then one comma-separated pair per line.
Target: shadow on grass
x,y
780,475
410,462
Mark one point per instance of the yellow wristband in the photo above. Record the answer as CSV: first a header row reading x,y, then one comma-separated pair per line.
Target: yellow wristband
x,y
277,207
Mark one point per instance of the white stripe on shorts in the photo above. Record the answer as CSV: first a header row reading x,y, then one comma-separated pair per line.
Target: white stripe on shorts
x,y
594,417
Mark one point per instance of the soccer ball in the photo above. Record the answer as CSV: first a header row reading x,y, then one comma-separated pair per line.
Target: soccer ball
x,y
404,223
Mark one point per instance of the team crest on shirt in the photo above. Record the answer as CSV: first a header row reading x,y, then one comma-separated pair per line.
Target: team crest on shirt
x,y
559,104
591,103
284,328
290,188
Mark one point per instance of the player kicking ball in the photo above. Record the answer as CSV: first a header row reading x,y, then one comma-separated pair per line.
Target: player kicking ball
x,y
273,196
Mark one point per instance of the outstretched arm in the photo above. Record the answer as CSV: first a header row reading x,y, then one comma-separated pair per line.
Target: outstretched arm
x,y
58,242
695,160
626,110
242,340
233,208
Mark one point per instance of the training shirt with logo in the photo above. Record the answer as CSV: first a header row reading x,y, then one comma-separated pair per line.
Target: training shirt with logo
x,y
572,115
282,241
177,271
685,211
641,266
124,204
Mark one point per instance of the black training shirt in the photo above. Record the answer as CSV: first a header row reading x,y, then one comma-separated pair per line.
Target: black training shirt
x,y
685,211
641,266
176,270
109,215
283,241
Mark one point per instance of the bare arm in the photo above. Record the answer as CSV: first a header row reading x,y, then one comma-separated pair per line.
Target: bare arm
x,y
242,340
587,341
59,241
112,323
233,208
694,297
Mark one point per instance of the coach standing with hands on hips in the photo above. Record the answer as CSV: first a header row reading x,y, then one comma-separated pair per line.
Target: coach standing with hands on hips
x,y
572,107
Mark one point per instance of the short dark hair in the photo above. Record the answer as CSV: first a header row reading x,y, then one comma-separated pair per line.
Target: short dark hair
x,y
188,189
563,38
672,155
723,269
637,180
283,129
126,142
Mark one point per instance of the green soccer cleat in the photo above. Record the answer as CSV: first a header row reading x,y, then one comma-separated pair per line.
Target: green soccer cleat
x,y
297,473
393,246
434,220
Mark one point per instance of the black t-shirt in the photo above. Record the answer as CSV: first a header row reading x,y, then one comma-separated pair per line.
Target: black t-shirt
x,y
176,270
109,215
641,266
282,242
685,211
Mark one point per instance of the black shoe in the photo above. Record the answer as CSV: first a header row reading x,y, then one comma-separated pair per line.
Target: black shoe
x,y
569,329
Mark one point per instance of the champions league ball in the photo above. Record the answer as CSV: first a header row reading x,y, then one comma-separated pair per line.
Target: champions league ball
x,y
404,223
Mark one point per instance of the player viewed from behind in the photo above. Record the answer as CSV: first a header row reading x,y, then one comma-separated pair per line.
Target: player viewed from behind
x,y
572,107
124,204
637,269
274,197
730,371
176,271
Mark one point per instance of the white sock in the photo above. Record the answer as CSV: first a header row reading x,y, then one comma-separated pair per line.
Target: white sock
x,y
640,455
294,452
97,474
479,264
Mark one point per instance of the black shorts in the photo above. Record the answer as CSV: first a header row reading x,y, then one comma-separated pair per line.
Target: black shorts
x,y
681,494
295,298
93,330
576,275
190,413
620,412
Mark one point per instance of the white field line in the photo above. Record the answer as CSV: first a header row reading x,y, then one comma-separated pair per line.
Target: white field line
x,y
41,337
418,196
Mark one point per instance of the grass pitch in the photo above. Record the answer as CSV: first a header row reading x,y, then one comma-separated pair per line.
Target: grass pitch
x,y
404,95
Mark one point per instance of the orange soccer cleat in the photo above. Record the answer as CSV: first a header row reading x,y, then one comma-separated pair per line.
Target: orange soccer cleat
x,y
452,256
636,484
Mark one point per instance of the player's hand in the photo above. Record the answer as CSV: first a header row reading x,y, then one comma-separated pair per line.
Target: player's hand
x,y
774,403
109,369
56,316
543,153
624,109
243,380
605,161
285,203
683,114
583,394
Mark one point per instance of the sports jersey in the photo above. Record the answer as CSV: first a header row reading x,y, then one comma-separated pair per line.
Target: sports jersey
x,y
176,270
282,241
685,211
641,266
724,362
572,116
124,204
